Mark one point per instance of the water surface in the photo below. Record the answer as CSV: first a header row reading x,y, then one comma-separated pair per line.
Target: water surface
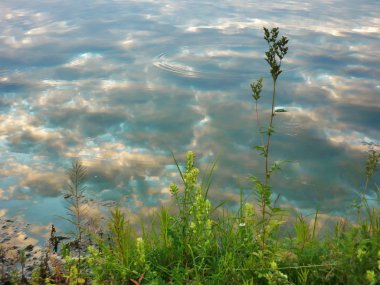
x,y
121,84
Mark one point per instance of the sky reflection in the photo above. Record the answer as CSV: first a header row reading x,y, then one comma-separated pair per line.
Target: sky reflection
x,y
121,84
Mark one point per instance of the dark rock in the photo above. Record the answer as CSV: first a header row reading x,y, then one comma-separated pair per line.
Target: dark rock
x,y
29,247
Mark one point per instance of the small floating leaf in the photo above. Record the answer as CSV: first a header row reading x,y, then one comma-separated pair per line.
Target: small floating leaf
x,y
280,110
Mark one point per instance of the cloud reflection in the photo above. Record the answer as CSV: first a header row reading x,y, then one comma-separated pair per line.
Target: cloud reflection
x,y
121,84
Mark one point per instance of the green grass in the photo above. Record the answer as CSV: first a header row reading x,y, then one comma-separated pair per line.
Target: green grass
x,y
201,245
195,242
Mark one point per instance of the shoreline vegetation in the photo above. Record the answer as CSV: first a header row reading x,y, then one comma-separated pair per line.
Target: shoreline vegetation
x,y
196,242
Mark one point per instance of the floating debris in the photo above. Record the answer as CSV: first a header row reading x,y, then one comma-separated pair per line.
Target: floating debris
x,y
280,110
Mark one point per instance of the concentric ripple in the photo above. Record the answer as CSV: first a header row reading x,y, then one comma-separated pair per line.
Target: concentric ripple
x,y
163,62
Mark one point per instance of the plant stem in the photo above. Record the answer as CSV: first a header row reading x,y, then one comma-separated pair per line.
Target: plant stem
x,y
267,176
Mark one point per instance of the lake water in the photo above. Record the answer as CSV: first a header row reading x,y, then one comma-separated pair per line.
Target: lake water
x,y
121,84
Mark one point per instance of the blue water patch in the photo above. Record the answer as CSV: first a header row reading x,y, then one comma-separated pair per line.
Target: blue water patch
x,y
123,84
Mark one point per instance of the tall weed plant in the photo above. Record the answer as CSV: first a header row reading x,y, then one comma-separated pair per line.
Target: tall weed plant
x,y
277,49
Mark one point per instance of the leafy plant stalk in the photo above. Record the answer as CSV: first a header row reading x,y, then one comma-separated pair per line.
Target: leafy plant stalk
x,y
371,167
75,197
277,49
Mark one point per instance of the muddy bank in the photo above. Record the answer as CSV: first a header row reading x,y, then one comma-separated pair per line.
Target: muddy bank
x,y
20,253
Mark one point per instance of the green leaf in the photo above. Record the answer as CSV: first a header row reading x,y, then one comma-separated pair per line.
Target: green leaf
x,y
179,170
280,110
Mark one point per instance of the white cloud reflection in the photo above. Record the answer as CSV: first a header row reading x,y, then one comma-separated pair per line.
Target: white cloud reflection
x,y
120,84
